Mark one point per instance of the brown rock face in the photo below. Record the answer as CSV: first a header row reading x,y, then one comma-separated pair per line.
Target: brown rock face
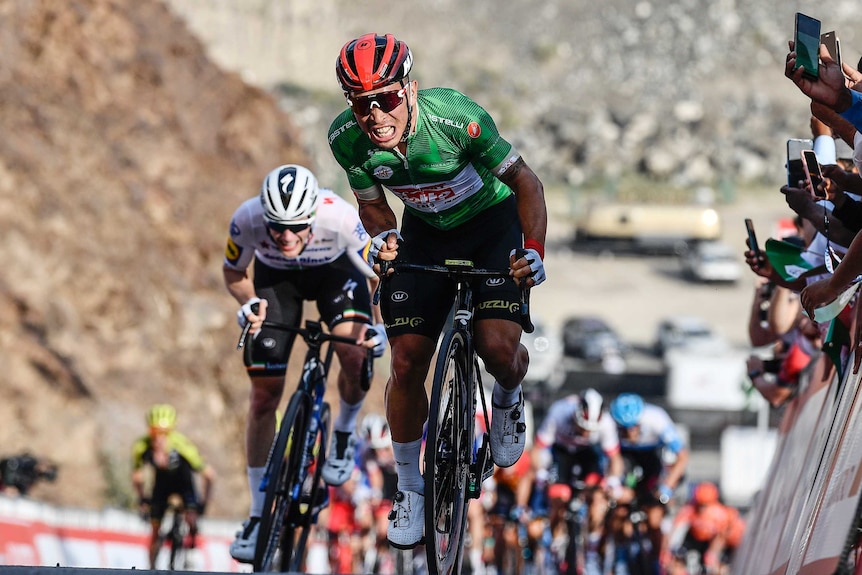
x,y
124,152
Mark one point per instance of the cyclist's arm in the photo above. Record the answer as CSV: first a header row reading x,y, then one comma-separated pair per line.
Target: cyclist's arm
x,y
677,470
138,483
530,198
376,213
208,477
239,284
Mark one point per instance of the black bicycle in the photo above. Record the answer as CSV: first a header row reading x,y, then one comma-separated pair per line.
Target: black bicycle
x,y
173,534
295,491
454,469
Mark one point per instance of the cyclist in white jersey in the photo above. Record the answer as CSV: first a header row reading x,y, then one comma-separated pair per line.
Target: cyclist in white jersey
x,y
307,244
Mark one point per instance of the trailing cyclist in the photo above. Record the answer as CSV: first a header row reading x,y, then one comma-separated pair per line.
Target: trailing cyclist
x,y
647,435
174,460
577,442
467,194
307,244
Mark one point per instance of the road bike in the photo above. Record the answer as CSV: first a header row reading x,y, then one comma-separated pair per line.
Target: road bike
x,y
174,534
295,491
454,467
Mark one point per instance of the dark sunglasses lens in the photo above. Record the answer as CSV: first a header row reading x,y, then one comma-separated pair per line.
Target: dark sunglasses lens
x,y
387,101
281,228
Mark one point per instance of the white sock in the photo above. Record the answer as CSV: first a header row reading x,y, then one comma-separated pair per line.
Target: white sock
x,y
505,397
407,465
347,414
255,476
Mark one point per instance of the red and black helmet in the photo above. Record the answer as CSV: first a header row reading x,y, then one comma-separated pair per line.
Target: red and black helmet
x,y
372,61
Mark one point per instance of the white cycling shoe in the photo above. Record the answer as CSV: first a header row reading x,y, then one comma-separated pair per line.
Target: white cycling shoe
x,y
242,548
406,520
340,460
508,432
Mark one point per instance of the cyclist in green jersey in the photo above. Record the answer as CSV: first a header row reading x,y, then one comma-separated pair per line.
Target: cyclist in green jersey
x,y
467,194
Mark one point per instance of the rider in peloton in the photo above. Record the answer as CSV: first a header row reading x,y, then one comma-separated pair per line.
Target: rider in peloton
x,y
467,194
578,443
307,244
175,460
646,432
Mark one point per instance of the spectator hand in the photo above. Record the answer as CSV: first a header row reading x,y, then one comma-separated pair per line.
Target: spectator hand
x,y
817,294
532,267
758,263
829,88
798,199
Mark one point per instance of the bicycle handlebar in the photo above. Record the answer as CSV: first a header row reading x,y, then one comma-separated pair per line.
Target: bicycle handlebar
x,y
314,336
459,269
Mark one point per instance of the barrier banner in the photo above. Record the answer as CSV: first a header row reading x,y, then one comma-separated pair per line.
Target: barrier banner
x,y
36,534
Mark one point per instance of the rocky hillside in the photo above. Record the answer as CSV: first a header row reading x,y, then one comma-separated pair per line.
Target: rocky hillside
x,y
124,152
690,92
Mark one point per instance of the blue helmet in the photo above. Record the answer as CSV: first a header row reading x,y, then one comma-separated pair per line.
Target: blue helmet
x,y
627,409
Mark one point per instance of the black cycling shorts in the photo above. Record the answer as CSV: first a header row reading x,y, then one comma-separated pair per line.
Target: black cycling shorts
x,y
419,303
339,289
584,465
647,466
178,481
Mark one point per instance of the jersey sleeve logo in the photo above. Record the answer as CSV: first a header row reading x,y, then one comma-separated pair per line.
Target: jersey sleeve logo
x,y
474,130
232,251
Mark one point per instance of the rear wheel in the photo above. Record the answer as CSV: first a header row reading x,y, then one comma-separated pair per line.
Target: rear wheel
x,y
283,472
448,456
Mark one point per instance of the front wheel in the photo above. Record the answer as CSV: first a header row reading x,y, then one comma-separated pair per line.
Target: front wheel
x,y
448,455
283,475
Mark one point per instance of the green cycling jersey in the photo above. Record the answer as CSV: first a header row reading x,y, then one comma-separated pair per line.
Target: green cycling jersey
x,y
453,161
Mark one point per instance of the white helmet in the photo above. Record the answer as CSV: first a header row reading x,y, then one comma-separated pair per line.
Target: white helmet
x,y
589,410
289,195
375,431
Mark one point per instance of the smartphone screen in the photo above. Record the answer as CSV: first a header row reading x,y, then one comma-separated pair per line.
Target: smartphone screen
x,y
813,175
830,39
807,44
752,239
795,169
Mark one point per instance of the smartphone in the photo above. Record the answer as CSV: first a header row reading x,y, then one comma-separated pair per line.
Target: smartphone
x,y
795,169
833,45
806,38
813,175
752,239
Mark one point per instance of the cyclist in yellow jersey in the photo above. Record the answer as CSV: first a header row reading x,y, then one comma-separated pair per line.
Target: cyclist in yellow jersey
x,y
175,460
467,194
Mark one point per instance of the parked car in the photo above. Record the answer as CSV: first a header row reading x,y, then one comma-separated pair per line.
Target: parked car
x,y
591,338
689,332
711,262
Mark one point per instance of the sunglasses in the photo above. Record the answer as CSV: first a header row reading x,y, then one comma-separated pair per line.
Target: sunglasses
x,y
386,101
281,228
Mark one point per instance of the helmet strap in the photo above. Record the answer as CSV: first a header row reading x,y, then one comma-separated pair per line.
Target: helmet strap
x,y
409,127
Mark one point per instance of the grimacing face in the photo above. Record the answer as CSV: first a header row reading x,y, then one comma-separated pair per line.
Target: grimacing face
x,y
385,129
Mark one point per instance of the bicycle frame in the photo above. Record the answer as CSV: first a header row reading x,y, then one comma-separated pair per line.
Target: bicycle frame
x,y
451,448
290,461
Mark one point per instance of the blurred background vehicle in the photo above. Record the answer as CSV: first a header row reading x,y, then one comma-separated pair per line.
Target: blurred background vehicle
x,y
648,227
688,332
590,337
713,261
